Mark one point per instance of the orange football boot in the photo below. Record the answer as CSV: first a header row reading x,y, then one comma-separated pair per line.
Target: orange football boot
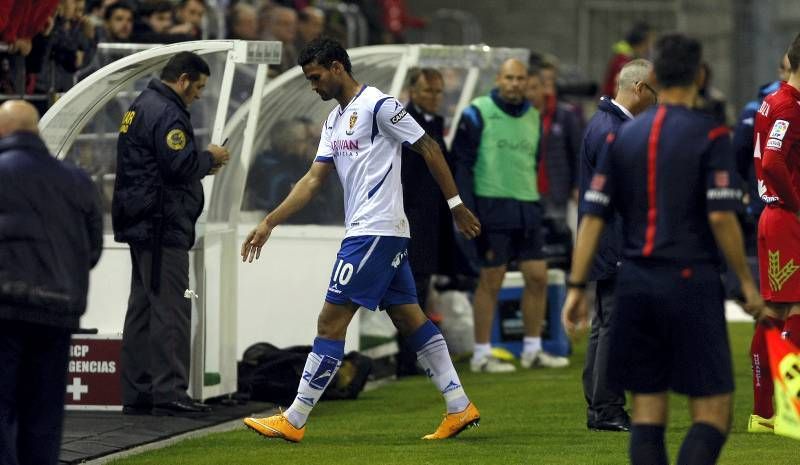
x,y
454,423
276,426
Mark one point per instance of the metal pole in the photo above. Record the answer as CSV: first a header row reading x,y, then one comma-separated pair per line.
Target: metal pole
x,y
467,91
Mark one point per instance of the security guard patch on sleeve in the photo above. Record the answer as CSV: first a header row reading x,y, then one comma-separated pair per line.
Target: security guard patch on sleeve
x,y
176,139
126,121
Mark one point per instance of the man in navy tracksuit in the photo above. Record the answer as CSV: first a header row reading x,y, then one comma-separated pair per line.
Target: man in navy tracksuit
x,y
157,199
605,406
670,176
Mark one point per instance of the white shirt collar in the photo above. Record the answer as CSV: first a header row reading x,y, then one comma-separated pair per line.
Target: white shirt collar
x,y
623,109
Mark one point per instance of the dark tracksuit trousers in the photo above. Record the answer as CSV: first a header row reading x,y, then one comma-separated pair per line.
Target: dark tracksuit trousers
x,y
33,376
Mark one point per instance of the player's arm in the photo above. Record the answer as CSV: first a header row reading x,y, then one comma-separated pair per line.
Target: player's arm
x,y
723,199
302,193
782,136
595,209
393,121
465,153
728,234
466,222
574,315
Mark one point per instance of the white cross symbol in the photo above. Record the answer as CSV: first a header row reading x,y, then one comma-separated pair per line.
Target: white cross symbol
x,y
77,389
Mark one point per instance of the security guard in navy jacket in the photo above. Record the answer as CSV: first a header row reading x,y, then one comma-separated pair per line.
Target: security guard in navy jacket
x,y
51,234
157,200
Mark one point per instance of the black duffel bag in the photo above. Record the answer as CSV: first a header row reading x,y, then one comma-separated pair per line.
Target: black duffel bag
x,y
270,374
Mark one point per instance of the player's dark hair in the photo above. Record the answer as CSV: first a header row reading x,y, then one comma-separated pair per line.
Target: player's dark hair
x,y
324,51
794,54
118,6
677,60
638,33
430,74
185,62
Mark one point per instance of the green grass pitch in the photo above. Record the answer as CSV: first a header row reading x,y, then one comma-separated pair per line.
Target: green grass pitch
x,y
528,417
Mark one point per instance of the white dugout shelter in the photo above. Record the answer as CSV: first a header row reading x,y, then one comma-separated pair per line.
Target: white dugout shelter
x,y
277,298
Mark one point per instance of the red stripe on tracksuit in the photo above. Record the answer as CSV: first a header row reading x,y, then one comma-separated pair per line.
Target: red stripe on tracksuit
x,y
718,131
652,159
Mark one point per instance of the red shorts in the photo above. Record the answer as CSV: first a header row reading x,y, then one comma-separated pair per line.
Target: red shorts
x,y
779,255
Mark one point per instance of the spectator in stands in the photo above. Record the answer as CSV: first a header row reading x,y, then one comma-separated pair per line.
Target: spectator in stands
x,y
157,15
275,171
118,23
52,232
310,25
637,44
397,19
20,22
69,47
280,23
243,22
191,13
117,28
154,25
561,142
96,10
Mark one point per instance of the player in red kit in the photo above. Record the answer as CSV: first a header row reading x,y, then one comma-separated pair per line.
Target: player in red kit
x,y
777,164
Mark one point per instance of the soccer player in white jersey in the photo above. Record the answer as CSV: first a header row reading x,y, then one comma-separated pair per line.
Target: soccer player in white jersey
x,y
362,139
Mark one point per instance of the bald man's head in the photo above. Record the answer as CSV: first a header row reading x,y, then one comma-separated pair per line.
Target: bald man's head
x,y
18,115
511,80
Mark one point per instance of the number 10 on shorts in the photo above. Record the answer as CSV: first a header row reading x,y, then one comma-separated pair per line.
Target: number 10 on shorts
x,y
343,273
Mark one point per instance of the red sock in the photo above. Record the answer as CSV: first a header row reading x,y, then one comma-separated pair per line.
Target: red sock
x,y
762,375
792,330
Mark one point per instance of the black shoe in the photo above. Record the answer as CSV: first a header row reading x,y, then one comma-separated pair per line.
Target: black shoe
x,y
181,408
137,409
621,423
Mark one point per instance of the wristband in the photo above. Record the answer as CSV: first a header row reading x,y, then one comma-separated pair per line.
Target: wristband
x,y
576,285
454,201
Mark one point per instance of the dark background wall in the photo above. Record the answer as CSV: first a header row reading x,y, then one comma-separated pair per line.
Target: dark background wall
x,y
743,39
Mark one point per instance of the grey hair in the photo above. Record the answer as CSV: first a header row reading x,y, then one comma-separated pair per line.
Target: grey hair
x,y
634,71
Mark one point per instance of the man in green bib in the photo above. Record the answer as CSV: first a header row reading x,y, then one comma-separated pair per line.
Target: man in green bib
x,y
496,149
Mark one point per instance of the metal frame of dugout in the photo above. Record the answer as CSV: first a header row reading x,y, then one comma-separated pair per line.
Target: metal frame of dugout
x,y
214,256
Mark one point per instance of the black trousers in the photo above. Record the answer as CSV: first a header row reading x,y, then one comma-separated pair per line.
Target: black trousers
x,y
156,337
33,376
603,402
